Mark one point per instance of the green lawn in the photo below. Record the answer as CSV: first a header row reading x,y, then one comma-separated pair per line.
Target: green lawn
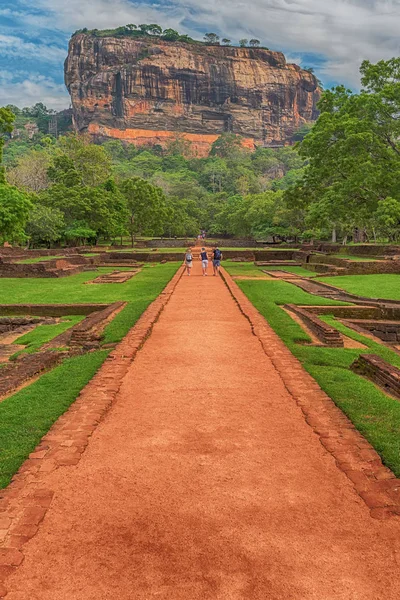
x,y
297,270
249,269
375,415
27,415
246,269
29,261
369,286
34,340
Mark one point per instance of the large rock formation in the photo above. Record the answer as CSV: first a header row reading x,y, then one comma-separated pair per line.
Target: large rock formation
x,y
147,91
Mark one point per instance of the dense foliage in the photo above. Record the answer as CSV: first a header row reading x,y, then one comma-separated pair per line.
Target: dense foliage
x,y
83,192
351,184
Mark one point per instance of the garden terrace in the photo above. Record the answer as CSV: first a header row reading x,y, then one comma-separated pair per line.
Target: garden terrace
x,y
328,335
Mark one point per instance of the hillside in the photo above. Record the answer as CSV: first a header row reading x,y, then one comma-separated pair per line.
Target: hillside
x,y
147,90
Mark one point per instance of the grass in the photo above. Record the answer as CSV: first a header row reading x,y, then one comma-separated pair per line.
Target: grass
x,y
31,261
376,415
28,415
145,285
34,340
247,269
370,286
297,270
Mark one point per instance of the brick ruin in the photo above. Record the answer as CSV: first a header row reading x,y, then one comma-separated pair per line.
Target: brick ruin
x,y
82,337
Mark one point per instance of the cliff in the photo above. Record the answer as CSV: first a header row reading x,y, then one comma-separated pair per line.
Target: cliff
x,y
148,90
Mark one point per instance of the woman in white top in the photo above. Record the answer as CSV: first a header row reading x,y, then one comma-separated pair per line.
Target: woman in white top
x,y
188,260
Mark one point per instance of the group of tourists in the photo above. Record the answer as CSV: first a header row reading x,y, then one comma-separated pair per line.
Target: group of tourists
x,y
216,260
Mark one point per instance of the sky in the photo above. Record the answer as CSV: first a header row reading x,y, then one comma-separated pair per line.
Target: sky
x,y
332,36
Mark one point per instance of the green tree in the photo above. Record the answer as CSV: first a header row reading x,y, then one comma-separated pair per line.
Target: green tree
x,y
353,150
388,218
170,35
226,41
31,171
90,161
7,119
228,145
154,29
254,43
146,205
14,211
243,42
45,224
211,38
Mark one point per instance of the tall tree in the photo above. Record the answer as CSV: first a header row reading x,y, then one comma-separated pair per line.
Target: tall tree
x,y
146,206
211,38
6,126
14,211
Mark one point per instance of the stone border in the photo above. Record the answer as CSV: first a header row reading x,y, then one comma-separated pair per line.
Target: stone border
x,y
328,335
24,503
380,372
354,455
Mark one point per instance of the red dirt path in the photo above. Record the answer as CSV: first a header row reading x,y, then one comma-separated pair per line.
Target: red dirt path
x,y
204,482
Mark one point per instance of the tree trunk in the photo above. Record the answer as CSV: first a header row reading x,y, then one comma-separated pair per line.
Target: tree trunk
x,y
334,236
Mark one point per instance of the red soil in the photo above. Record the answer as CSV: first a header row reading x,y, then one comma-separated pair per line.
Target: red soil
x,y
204,482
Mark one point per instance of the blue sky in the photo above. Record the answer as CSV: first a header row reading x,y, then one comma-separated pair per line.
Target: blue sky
x,y
333,36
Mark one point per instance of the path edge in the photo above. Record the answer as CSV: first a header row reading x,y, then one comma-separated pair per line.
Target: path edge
x,y
24,503
375,483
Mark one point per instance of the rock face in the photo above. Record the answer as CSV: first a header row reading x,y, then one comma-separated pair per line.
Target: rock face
x,y
147,91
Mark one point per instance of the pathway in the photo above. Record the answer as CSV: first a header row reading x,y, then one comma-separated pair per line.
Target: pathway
x,y
204,482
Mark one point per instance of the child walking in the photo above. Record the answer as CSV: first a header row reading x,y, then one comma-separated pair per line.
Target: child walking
x,y
188,260
204,261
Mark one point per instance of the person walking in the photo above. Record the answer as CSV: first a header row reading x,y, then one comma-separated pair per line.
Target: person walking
x,y
217,257
188,260
204,261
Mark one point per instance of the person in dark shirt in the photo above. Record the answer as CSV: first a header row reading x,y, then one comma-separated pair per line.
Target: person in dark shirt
x,y
217,257
204,261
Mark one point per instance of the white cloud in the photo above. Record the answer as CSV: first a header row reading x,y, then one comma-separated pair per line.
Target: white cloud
x,y
12,46
31,89
343,31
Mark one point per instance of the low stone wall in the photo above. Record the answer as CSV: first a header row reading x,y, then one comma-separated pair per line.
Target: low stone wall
x,y
39,270
26,367
387,331
273,255
50,310
348,312
328,260
324,268
379,371
13,323
247,255
91,329
133,257
328,335
374,268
